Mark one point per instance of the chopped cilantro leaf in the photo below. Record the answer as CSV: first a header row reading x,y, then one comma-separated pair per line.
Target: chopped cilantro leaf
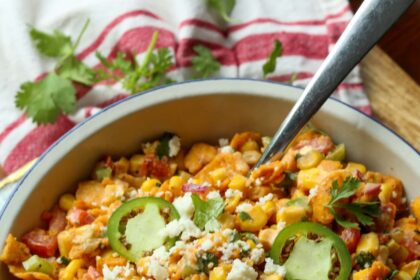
x,y
163,148
244,216
364,259
206,262
206,211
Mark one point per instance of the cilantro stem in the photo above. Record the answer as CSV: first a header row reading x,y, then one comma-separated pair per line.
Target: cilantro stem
x,y
85,26
149,52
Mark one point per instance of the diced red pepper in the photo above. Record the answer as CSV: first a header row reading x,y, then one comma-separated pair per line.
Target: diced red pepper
x,y
351,237
56,220
40,243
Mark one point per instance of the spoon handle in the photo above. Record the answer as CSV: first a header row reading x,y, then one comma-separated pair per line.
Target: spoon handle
x,y
371,21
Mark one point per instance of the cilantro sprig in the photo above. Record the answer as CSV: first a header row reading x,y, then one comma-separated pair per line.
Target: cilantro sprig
x,y
204,63
206,212
364,212
45,100
138,76
270,65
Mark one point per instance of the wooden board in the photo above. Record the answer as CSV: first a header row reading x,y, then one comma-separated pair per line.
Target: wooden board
x,y
394,95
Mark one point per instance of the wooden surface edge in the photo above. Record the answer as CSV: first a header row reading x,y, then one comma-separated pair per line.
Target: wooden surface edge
x,y
394,95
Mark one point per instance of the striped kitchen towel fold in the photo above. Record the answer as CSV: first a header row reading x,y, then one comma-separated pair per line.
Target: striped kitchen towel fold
x,y
307,29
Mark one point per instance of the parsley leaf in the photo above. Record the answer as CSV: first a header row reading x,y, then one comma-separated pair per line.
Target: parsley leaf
x,y
204,63
206,211
244,216
271,62
363,211
222,8
44,101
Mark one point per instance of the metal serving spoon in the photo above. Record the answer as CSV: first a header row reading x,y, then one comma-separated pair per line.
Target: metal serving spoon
x,y
371,21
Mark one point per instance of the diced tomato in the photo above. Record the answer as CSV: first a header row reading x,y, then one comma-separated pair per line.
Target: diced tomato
x,y
108,162
79,217
56,220
351,237
40,243
154,167
91,274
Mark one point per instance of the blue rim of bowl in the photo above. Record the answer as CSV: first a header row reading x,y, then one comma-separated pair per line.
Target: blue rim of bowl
x,y
3,209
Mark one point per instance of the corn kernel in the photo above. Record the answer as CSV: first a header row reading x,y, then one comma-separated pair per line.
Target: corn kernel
x,y
71,269
250,145
227,220
269,208
392,246
231,203
66,201
238,182
368,243
402,275
386,192
267,236
175,184
121,166
258,220
290,214
251,243
415,208
297,193
220,272
309,160
272,276
135,162
218,174
308,178
150,184
411,268
352,166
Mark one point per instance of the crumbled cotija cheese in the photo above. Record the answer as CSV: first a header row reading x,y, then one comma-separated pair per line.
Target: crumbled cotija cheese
x,y
241,271
174,146
231,193
213,195
184,205
266,198
270,267
243,207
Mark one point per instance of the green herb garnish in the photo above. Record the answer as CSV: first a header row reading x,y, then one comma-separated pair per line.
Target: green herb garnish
x,y
244,216
364,259
204,63
363,211
206,211
206,262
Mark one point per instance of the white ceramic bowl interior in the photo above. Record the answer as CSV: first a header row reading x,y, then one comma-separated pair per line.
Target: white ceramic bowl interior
x,y
196,111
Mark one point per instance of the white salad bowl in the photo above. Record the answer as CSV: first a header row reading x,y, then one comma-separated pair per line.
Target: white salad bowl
x,y
196,111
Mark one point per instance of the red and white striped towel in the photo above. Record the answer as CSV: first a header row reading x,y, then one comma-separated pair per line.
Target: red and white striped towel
x,y
307,28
